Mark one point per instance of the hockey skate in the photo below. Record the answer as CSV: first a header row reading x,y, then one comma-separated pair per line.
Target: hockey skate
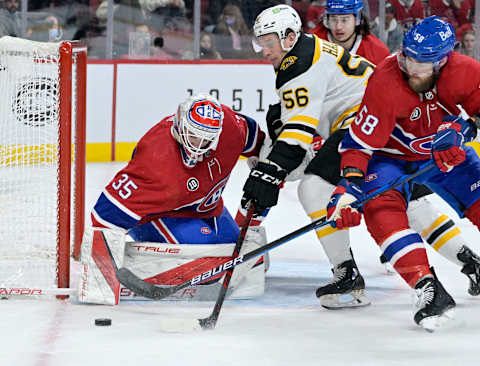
x,y
471,269
433,305
346,289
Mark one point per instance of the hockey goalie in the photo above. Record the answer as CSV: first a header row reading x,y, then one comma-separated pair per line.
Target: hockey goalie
x,y
168,199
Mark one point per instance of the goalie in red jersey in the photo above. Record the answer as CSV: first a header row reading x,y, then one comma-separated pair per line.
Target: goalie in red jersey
x,y
409,114
170,193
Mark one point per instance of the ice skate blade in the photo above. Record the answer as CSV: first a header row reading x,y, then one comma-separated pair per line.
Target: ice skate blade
x,y
434,323
353,299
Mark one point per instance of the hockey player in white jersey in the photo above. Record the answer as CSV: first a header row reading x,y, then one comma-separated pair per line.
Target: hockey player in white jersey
x,y
320,86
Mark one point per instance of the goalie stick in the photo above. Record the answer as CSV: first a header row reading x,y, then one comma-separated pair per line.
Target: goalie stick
x,y
148,290
183,325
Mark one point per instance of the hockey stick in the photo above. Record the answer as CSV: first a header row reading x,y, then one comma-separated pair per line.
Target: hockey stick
x,y
183,325
145,289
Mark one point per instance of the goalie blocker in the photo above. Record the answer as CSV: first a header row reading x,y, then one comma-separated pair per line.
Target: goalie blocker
x,y
104,251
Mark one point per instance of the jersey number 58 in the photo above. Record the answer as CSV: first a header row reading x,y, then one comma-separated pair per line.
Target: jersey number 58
x,y
370,122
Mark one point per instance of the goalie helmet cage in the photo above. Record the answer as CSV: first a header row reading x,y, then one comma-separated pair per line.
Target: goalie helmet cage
x,y
42,163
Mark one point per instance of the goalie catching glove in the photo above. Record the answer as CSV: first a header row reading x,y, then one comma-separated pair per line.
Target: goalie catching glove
x,y
339,208
448,144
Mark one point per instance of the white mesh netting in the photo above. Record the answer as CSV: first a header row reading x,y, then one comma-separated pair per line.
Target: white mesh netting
x,y
29,132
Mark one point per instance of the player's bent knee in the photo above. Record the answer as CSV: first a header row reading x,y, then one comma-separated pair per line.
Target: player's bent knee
x,y
314,193
103,251
385,215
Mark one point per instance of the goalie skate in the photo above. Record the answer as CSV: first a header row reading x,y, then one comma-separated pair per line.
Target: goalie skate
x,y
471,269
434,305
346,289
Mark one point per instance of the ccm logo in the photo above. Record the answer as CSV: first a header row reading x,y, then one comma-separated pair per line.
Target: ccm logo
x,y
206,275
266,177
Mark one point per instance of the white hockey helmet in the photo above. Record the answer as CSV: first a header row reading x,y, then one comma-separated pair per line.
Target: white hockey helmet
x,y
197,126
279,19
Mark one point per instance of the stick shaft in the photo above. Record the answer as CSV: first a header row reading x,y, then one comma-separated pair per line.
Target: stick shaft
x,y
130,280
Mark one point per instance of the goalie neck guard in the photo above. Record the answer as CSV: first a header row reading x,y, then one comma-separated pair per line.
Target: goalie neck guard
x,y
197,127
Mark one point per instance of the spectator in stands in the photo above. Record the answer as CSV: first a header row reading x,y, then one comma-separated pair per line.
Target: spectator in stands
x,y
393,28
208,51
408,12
315,13
232,36
466,13
167,15
41,26
346,25
447,9
467,44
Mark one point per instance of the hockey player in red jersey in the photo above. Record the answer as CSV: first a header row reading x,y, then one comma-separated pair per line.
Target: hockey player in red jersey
x,y
171,190
346,25
410,113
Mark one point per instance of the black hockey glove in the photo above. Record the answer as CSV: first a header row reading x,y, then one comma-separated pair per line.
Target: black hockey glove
x,y
274,123
263,185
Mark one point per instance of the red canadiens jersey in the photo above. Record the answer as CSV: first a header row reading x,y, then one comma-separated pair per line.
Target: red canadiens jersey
x,y
156,183
395,121
369,47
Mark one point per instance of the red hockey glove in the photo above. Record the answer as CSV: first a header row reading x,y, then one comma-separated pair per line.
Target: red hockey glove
x,y
447,146
339,207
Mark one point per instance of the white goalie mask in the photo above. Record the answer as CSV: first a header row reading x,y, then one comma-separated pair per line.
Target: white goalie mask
x,y
279,19
197,127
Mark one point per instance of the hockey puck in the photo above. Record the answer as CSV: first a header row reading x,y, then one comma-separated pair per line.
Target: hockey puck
x,y
102,322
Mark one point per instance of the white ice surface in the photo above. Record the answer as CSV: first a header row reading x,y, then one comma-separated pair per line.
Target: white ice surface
x,y
284,327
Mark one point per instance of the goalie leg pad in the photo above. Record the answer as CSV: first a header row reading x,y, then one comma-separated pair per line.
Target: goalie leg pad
x,y
101,256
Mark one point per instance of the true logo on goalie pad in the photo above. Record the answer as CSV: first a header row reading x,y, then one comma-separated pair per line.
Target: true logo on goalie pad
x,y
206,275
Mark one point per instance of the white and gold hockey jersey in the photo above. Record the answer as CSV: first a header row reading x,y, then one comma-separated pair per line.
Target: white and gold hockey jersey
x,y
320,86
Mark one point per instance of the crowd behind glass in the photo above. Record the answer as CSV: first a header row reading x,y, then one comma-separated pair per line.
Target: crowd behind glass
x,y
203,29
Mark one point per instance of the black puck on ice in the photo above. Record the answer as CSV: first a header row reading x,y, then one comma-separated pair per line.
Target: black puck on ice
x,y
103,322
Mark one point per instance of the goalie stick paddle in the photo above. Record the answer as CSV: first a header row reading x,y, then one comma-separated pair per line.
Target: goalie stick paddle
x,y
184,325
145,289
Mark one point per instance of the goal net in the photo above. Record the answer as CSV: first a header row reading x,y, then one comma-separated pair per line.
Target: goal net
x,y
42,163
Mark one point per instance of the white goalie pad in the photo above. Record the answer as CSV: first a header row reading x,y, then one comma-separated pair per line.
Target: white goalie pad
x,y
102,253
172,264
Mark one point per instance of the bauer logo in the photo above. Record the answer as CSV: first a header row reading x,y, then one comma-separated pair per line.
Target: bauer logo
x,y
192,184
474,186
415,114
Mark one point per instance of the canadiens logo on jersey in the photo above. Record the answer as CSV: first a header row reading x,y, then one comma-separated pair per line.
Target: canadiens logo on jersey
x,y
422,145
208,113
210,201
290,60
415,114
